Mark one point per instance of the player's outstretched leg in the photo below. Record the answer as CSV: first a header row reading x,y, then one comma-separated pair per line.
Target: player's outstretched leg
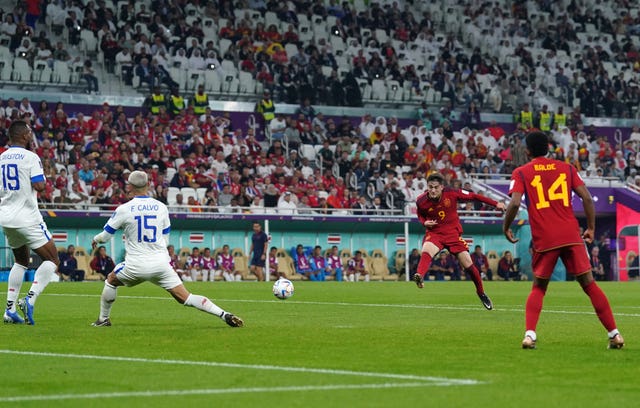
x,y
206,305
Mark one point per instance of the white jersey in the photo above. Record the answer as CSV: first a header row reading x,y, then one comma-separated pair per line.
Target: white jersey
x,y
145,222
19,168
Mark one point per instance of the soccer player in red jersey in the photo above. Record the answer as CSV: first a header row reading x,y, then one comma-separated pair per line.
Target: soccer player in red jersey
x,y
437,210
547,185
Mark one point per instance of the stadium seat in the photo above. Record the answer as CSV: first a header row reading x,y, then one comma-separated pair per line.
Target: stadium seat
x,y
381,36
201,194
194,78
378,90
286,266
247,83
308,151
171,195
291,50
188,192
223,45
305,33
171,171
229,68
345,255
42,73
242,264
88,43
177,74
365,88
183,254
21,70
5,69
212,81
380,269
84,263
230,85
493,259
400,260
394,91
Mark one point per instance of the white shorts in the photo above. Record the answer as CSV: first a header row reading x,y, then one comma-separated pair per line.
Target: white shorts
x,y
161,274
33,236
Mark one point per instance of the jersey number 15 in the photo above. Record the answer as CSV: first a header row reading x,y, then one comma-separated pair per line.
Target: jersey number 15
x,y
147,232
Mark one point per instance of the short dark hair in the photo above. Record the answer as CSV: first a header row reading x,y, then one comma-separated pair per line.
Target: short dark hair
x,y
436,177
537,144
17,129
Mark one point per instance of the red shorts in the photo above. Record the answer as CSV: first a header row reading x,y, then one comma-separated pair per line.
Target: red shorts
x,y
454,242
574,258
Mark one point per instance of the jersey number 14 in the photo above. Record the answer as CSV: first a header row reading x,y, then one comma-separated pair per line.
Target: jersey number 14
x,y
557,191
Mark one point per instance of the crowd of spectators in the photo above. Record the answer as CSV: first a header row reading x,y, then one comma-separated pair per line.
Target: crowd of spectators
x,y
370,165
367,167
475,51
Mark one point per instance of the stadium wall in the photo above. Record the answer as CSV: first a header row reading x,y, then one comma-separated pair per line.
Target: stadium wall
x,y
216,230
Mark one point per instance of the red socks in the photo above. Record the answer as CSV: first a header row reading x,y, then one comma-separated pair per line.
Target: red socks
x,y
534,307
476,278
601,305
598,300
423,265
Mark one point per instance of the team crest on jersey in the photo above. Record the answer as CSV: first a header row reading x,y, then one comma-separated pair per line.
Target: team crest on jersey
x,y
447,202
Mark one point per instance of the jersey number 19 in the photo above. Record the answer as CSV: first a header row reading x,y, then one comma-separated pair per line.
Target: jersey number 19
x,y
10,178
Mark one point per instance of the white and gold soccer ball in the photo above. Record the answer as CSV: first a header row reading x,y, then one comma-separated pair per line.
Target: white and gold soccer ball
x,y
283,288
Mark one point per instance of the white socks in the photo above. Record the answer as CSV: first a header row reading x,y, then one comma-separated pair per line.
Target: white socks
x,y
204,304
16,276
532,334
613,333
43,276
109,293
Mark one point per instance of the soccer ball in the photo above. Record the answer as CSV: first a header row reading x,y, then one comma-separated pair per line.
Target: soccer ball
x,y
283,288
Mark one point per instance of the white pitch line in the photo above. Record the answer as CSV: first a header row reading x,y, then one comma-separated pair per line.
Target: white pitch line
x,y
57,397
383,305
452,381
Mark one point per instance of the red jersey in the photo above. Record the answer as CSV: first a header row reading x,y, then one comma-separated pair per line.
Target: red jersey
x,y
445,210
547,185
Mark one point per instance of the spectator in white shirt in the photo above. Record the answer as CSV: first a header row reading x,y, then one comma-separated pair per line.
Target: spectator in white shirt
x,y
196,61
286,205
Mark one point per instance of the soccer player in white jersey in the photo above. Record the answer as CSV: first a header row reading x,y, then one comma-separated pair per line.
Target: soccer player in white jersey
x,y
21,177
145,223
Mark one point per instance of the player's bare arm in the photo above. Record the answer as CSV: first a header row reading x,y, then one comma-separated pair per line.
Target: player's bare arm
x,y
39,186
590,212
510,215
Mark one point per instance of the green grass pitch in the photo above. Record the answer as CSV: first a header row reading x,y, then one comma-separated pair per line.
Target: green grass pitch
x,y
331,345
